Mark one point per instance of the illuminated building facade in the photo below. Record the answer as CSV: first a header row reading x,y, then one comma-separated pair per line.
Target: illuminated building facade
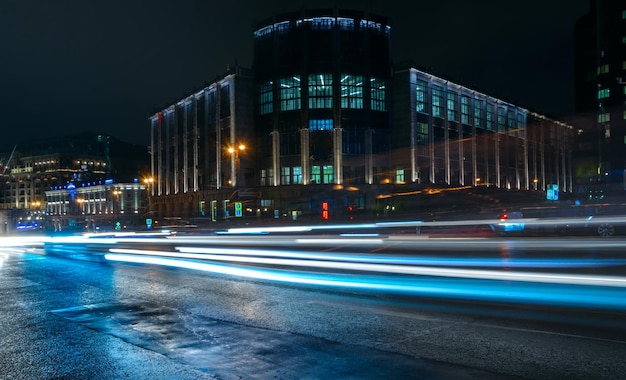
x,y
39,165
322,93
327,127
199,149
96,206
447,134
600,79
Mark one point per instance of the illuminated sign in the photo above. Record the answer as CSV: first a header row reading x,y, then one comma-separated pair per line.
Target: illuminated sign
x,y
238,209
552,193
325,210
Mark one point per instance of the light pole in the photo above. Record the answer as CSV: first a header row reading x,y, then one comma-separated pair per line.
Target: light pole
x,y
149,181
235,160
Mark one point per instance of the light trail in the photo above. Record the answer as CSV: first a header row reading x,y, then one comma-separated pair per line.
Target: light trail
x,y
487,290
430,261
569,279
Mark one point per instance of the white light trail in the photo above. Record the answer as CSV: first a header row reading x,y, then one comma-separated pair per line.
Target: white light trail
x,y
569,279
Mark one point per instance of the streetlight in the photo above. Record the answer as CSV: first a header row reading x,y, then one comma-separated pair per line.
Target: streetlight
x,y
235,162
149,181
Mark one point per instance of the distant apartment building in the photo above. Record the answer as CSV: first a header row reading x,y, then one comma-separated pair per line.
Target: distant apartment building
x,y
600,84
323,120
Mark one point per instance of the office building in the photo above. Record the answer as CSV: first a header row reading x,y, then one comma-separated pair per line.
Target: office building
x,y
324,122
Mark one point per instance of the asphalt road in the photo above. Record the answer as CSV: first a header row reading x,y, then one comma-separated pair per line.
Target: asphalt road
x,y
66,318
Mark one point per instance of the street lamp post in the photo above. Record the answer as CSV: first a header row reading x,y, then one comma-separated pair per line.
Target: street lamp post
x,y
236,162
149,181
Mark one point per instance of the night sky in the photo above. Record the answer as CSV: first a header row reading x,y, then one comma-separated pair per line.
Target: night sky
x,y
69,66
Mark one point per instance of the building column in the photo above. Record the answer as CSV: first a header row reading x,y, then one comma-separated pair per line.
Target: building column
x,y
275,158
338,154
305,156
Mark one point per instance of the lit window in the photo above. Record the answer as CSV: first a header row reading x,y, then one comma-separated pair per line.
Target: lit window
x,y
603,93
437,100
451,103
266,98
345,23
489,113
352,91
316,176
501,117
297,175
421,93
378,95
478,115
321,91
422,133
329,176
399,175
322,23
290,94
603,69
604,117
282,27
321,125
263,177
465,110
285,177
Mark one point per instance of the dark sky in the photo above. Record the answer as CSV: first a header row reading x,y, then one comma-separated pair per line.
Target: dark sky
x,y
74,65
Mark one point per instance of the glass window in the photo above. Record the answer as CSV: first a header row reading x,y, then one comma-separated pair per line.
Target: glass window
x,y
266,98
437,100
603,93
352,91
316,176
322,23
521,125
451,102
465,110
489,113
321,125
421,93
510,122
379,97
604,117
422,133
501,117
345,23
478,114
329,176
297,175
603,69
285,175
282,27
320,91
290,93
399,175
224,101
263,177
